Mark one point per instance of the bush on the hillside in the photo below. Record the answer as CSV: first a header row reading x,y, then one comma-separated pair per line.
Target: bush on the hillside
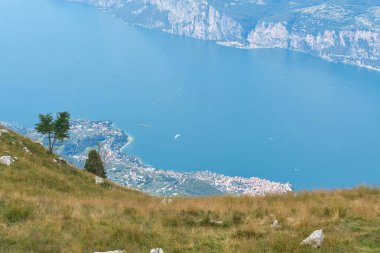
x,y
94,164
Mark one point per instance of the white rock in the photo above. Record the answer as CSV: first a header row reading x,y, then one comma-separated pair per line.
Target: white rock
x,y
275,224
167,201
27,151
315,239
99,180
4,131
39,142
6,160
115,251
158,250
217,222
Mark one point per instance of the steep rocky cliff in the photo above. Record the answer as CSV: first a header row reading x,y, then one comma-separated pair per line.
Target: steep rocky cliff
x,y
344,31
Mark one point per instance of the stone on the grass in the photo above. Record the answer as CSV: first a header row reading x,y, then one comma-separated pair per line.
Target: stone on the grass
x,y
115,251
4,131
39,142
275,224
99,180
315,239
6,160
167,201
56,161
217,222
157,250
27,151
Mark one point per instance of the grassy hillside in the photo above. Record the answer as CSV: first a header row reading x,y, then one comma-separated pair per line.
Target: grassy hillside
x,y
49,206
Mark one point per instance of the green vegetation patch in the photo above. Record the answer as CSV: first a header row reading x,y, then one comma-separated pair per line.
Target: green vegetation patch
x,y
16,212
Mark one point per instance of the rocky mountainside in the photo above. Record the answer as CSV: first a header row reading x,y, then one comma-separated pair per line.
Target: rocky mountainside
x,y
344,31
131,171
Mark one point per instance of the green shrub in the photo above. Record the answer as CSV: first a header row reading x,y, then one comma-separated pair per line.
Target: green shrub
x,y
130,211
18,213
342,212
261,213
237,218
322,212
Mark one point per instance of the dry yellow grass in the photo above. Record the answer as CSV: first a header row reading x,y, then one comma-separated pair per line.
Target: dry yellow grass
x,y
53,207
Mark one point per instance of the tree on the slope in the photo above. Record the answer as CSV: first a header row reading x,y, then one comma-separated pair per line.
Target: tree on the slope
x,y
55,129
94,164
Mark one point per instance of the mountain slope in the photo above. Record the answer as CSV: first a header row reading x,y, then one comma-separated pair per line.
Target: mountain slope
x,y
32,167
342,31
49,206
131,171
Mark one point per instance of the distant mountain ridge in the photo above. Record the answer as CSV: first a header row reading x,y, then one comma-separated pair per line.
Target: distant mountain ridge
x,y
131,171
343,31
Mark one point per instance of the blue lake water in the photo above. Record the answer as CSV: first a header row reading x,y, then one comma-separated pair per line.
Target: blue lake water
x,y
268,113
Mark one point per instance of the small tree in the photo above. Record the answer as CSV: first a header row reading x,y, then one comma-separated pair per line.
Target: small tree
x,y
94,164
56,130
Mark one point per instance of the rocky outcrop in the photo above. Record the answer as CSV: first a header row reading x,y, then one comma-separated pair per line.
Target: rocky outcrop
x,y
194,18
359,47
271,35
344,32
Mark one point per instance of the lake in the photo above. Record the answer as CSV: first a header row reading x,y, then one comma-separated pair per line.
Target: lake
x,y
274,114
